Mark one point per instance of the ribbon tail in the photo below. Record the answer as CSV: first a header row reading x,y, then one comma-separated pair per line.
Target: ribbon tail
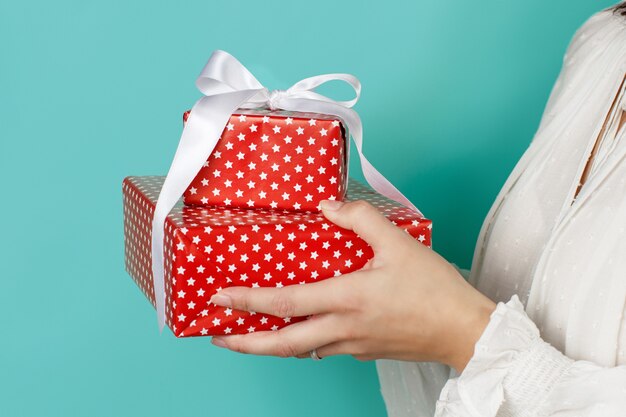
x,y
200,136
381,184
371,174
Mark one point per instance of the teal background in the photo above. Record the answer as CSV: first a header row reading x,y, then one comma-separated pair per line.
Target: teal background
x,y
91,92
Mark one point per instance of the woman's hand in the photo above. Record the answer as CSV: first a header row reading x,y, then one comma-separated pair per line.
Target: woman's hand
x,y
407,303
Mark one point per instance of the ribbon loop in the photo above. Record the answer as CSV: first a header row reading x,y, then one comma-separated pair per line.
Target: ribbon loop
x,y
311,83
224,73
227,85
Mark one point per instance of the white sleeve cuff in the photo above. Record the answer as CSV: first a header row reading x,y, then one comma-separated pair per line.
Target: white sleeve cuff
x,y
511,372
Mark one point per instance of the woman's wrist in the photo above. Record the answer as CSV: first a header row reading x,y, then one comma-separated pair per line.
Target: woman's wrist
x,y
466,331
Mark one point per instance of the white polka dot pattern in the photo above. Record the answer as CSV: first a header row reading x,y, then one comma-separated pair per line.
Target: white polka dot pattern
x,y
278,160
210,248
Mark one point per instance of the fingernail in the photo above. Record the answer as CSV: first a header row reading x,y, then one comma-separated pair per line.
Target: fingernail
x,y
331,204
221,300
218,342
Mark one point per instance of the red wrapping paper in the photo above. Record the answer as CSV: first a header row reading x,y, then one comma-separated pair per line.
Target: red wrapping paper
x,y
207,249
275,160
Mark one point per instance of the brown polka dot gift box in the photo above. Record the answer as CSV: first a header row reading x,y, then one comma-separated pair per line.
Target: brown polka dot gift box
x,y
210,248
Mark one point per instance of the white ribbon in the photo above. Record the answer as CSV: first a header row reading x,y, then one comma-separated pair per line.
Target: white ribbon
x,y
227,85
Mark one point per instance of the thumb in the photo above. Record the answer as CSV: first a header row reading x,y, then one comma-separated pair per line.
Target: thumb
x,y
362,218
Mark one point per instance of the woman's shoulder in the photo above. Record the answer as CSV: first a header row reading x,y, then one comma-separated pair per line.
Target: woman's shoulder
x,y
602,36
605,24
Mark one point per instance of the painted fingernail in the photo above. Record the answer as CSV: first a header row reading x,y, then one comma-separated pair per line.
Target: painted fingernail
x,y
218,342
221,300
331,204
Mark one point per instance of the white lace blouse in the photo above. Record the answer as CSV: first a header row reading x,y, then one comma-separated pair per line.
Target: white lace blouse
x,y
556,265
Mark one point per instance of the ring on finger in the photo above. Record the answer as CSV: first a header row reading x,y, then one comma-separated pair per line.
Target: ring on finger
x,y
314,355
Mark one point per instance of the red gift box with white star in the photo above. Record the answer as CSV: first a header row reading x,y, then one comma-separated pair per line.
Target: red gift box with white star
x,y
275,160
210,248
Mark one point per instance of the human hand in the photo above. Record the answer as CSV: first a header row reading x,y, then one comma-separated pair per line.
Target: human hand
x,y
407,303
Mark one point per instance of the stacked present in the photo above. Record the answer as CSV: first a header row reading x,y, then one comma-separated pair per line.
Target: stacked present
x,y
240,204
273,160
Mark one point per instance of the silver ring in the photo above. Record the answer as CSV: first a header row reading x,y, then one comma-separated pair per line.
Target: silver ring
x,y
314,355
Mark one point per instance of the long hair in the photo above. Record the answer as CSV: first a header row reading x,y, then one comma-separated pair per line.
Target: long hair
x,y
620,9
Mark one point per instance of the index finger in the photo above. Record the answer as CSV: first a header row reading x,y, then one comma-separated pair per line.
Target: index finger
x,y
290,301
365,220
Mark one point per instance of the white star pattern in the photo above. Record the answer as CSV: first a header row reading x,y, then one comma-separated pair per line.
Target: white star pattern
x,y
281,148
210,248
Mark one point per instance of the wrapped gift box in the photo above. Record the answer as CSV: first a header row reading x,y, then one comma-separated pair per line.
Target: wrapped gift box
x,y
210,248
275,160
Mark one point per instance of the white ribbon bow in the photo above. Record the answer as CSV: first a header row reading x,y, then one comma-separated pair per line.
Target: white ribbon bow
x,y
227,85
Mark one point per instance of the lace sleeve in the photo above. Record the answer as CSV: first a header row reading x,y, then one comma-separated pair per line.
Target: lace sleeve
x,y
515,373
